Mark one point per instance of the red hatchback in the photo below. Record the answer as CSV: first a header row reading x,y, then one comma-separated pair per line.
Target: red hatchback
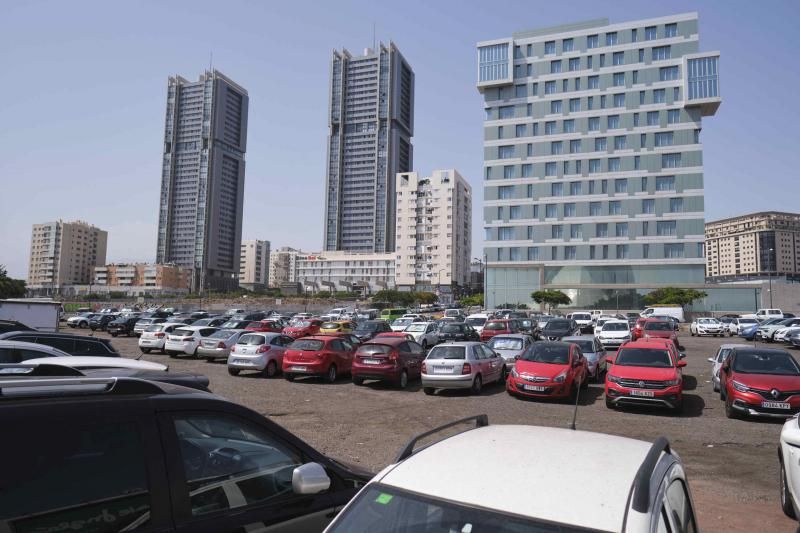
x,y
659,329
638,328
318,355
303,329
760,382
392,359
549,370
646,373
498,327
265,326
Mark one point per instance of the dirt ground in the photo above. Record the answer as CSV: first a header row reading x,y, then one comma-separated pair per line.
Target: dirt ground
x,y
732,464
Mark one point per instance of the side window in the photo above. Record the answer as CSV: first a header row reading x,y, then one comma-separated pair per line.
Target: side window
x,y
83,347
287,341
722,355
40,491
488,352
230,463
65,345
404,347
477,352
336,345
276,341
207,331
416,349
680,508
25,355
24,338
7,355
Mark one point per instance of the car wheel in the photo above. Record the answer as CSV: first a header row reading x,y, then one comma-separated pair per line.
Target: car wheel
x,y
477,385
145,350
233,371
691,333
729,411
83,325
585,382
332,374
289,377
173,355
428,390
722,393
504,375
786,496
114,334
609,403
358,381
716,388
403,381
271,370
424,345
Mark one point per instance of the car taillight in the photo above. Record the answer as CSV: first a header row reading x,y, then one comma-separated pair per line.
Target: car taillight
x,y
263,348
466,369
160,335
186,339
221,345
393,356
424,368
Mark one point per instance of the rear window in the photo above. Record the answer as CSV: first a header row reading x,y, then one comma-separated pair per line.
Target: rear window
x,y
586,346
330,325
557,324
221,334
145,321
452,328
476,321
616,326
505,343
496,326
374,349
547,353
581,316
658,326
252,340
310,345
446,352
417,327
184,332
155,328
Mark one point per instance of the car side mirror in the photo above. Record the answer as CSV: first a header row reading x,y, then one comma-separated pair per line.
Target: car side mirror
x,y
711,360
310,478
682,356
516,357
681,363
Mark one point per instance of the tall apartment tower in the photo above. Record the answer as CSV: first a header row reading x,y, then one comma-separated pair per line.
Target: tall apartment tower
x,y
593,162
434,231
64,253
371,122
202,179
254,264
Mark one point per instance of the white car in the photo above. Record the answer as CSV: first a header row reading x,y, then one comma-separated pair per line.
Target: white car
x,y
599,321
643,489
154,337
477,321
425,333
783,334
789,458
185,340
91,361
706,326
80,321
716,361
613,332
400,324
584,320
737,324
262,352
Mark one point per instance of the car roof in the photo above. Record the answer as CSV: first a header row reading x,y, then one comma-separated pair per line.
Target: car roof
x,y
458,343
21,345
654,344
386,340
571,339
85,361
269,334
615,321
539,453
732,346
750,349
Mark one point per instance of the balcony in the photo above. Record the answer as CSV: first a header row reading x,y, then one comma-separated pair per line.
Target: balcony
x,y
495,63
701,82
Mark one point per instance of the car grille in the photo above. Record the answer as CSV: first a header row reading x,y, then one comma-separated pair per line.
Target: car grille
x,y
642,384
782,395
535,379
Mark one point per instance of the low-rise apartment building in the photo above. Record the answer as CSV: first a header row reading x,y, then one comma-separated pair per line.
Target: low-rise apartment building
x,y
140,278
343,271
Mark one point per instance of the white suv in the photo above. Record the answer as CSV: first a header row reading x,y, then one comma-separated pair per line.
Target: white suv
x,y
644,488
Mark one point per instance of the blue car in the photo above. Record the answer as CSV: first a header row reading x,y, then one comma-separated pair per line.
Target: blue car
x,y
749,332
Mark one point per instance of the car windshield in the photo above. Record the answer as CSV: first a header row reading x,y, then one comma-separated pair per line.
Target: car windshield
x,y
144,321
221,334
479,321
786,322
402,322
452,328
505,343
643,357
586,346
330,325
748,321
581,316
496,326
374,349
616,326
252,340
367,326
420,326
446,352
709,321
556,324
780,363
154,328
183,332
301,324
308,345
658,326
556,354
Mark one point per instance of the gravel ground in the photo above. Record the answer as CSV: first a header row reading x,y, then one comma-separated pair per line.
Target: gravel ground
x,y
732,464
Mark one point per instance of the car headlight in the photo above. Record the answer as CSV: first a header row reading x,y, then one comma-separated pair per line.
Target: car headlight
x,y
672,382
612,379
741,387
560,378
514,372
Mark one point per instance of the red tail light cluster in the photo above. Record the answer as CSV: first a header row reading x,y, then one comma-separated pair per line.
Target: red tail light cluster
x,y
161,335
466,369
424,368
221,345
264,348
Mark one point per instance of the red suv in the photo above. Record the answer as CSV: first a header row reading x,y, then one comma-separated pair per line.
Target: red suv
x,y
760,382
392,359
498,327
265,326
303,329
659,329
318,355
646,373
549,370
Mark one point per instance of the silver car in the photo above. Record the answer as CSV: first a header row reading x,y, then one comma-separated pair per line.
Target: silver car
x,y
594,352
716,361
461,365
424,333
510,347
262,352
218,345
143,323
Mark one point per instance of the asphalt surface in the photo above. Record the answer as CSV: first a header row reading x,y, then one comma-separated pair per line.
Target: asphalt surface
x,y
732,464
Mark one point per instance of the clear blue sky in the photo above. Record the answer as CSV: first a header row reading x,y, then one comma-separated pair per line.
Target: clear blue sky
x,y
84,85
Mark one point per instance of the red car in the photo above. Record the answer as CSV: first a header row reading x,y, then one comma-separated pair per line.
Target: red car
x,y
265,326
318,355
392,359
636,332
498,327
303,329
646,373
659,329
760,382
549,370
396,334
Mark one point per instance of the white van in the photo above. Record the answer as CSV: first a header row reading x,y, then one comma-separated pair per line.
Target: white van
x,y
477,321
673,311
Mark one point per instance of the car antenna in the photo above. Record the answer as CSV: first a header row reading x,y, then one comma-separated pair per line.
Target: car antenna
x,y
575,411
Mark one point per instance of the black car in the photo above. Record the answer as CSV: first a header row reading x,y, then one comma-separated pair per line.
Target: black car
x,y
71,344
458,331
557,328
13,325
101,322
368,329
235,323
250,317
211,321
158,457
122,325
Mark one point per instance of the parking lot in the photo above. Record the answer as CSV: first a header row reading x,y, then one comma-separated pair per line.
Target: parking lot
x,y
732,464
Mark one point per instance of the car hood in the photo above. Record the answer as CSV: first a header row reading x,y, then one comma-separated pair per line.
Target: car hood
x,y
768,381
539,369
642,372
659,334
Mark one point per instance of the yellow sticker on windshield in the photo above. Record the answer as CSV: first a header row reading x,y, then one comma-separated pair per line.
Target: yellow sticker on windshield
x,y
383,498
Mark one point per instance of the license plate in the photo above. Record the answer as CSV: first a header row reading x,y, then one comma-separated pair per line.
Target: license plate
x,y
644,393
536,388
240,361
775,405
443,369
372,361
298,369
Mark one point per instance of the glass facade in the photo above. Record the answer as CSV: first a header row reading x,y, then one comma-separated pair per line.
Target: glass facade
x,y
703,77
493,62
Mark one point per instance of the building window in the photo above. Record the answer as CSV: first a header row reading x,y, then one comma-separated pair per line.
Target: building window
x,y
636,120
529,50
551,211
602,230
666,228
618,58
569,126
529,70
564,85
549,47
676,94
555,106
533,253
696,136
513,254
620,142
622,229
664,138
593,82
577,166
652,118
556,148
614,207
569,210
550,87
648,206
671,30
635,77
493,62
621,186
576,231
665,183
570,253
619,100
506,111
668,73
602,101
671,161
574,105
555,66
505,152
574,64
703,77
592,41
505,192
505,234
521,91
567,45
633,35
611,38
675,205
602,60
644,182
521,130
619,79
535,89
637,161
613,164
557,231
577,84
613,122
594,166
575,146
589,61
673,250
557,189
550,169
575,188
659,96
622,251
535,130
550,128
527,170
500,132
508,172
594,123
650,33
594,207
662,52
515,212
530,195
529,149
673,116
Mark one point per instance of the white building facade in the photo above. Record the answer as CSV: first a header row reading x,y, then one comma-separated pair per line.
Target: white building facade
x,y
343,271
283,266
254,264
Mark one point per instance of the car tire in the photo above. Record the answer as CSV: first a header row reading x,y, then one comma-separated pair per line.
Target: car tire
x,y
729,411
678,407
332,374
233,371
289,377
691,333
585,382
428,390
83,325
716,388
271,370
114,334
722,393
504,375
402,382
609,403
786,496
477,385
145,350
358,381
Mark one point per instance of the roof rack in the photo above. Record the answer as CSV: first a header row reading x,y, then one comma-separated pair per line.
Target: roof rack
x,y
10,371
641,483
70,386
408,449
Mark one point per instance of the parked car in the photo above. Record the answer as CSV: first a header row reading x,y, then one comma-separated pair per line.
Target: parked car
x,y
303,328
600,320
390,314
498,327
637,329
265,326
716,362
155,336
477,321
263,352
14,352
338,326
614,333
788,452
122,325
764,314
558,328
400,324
66,342
783,334
393,359
185,340
674,311
424,334
87,362
584,321
643,489
80,320
13,325
395,334
250,316
218,345
325,356
510,347
737,324
767,331
235,324
368,329
748,331
549,370
101,322
659,329
705,326
212,321
794,340
457,331
594,352
143,323
646,373
162,458
760,382
461,365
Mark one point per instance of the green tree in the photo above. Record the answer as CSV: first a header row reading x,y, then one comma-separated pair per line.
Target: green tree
x,y
673,296
424,297
474,300
551,298
393,297
10,288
